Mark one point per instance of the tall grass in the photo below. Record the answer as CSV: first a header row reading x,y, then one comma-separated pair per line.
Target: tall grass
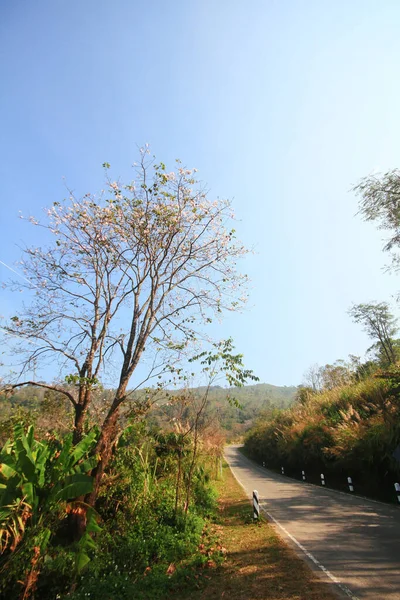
x,y
353,429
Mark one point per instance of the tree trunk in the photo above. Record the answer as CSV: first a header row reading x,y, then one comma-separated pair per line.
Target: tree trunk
x,y
178,480
190,475
104,449
80,413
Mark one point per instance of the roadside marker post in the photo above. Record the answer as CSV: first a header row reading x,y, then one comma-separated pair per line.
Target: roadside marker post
x,y
263,463
322,479
397,488
350,482
303,475
256,506
283,471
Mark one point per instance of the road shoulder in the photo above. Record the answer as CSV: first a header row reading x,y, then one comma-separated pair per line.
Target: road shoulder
x,y
258,564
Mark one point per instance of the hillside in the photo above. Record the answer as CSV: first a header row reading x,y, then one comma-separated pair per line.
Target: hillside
x,y
351,430
253,400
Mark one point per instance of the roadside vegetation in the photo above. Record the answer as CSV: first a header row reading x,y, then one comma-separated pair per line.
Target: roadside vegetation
x,y
47,408
142,538
349,431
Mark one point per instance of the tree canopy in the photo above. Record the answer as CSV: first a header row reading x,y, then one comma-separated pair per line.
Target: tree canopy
x,y
379,324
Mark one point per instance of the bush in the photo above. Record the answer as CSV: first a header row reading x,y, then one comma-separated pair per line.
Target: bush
x,y
143,529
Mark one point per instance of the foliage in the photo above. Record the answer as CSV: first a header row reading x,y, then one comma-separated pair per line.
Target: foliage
x,y
354,427
380,325
380,202
144,548
330,376
33,405
147,547
39,484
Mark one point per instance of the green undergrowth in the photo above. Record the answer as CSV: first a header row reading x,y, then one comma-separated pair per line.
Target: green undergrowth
x,y
141,541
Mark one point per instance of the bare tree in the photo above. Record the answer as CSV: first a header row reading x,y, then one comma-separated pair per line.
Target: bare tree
x,y
328,376
313,378
125,278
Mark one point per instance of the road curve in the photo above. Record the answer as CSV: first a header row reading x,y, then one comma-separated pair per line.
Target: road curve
x,y
354,542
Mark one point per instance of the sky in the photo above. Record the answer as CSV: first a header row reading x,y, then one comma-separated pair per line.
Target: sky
x,y
282,106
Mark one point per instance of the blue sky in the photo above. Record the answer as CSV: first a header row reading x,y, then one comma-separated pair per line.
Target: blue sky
x,y
282,106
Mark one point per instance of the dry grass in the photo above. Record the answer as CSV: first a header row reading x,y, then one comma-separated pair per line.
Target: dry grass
x,y
258,565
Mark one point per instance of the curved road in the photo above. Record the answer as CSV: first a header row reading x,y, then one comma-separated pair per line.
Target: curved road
x,y
352,541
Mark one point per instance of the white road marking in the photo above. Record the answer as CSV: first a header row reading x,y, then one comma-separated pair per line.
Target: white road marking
x,y
310,556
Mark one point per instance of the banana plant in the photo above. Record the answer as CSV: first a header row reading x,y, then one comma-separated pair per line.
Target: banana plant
x,y
36,477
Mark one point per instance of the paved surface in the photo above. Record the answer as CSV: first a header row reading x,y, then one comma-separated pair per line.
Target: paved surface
x,y
354,542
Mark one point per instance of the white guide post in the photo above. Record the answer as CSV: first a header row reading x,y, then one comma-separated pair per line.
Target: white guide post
x,y
256,506
397,488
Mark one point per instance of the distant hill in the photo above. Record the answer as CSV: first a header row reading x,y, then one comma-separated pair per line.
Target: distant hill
x,y
253,400
262,397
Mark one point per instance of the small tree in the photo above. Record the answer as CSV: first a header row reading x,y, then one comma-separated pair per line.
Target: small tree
x,y
190,407
336,375
380,325
312,378
128,276
319,378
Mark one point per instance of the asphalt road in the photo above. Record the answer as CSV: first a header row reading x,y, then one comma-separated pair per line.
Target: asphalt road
x,y
353,542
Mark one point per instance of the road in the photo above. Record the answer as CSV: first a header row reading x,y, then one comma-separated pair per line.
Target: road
x,y
352,541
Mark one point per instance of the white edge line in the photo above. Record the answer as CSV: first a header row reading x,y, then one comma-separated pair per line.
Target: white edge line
x,y
310,556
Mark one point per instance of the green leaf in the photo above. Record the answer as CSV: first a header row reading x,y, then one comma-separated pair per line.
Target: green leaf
x,y
7,471
65,459
92,525
81,561
45,539
84,445
75,486
87,465
29,437
28,492
25,461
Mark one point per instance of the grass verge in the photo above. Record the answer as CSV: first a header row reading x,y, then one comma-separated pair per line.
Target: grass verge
x,y
258,563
